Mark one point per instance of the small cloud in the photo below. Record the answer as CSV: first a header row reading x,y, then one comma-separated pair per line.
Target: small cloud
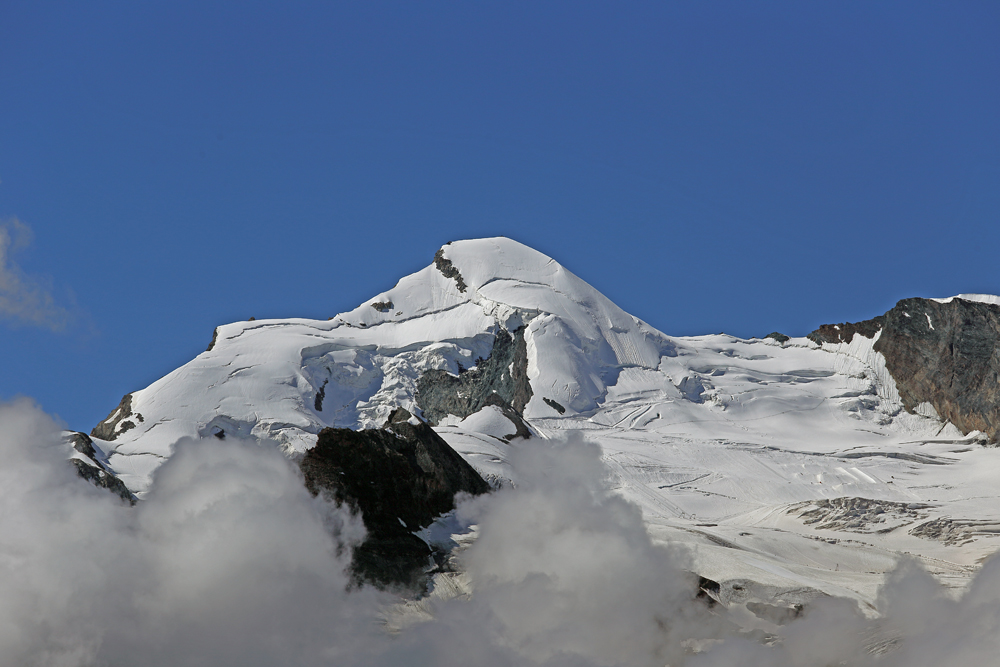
x,y
25,299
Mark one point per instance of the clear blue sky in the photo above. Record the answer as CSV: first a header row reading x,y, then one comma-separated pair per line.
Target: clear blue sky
x,y
710,166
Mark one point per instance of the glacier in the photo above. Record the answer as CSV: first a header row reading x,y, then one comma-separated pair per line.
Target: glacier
x,y
788,468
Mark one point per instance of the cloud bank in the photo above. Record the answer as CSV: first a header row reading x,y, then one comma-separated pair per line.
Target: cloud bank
x,y
229,561
24,299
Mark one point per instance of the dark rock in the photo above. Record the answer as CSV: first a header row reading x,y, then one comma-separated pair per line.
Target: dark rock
x,y
945,354
844,333
780,337
109,429
400,477
94,471
948,355
215,337
448,269
554,405
82,443
382,306
708,591
320,395
504,373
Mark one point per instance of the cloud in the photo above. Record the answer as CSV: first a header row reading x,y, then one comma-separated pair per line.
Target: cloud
x,y
25,299
229,561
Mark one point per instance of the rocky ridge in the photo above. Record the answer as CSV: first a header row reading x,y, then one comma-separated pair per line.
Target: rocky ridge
x,y
942,353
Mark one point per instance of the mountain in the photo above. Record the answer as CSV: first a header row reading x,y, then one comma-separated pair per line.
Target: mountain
x,y
792,467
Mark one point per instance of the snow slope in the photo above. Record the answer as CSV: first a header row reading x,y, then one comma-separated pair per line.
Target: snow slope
x,y
741,449
262,378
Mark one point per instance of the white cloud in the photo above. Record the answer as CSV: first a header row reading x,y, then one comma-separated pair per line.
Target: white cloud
x,y
229,561
25,299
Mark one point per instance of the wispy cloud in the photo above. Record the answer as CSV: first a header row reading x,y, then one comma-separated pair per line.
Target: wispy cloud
x,y
24,299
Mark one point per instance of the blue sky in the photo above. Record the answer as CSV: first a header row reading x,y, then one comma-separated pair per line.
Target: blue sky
x,y
166,167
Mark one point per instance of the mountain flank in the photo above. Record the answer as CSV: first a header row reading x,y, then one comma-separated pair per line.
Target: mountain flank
x,y
942,352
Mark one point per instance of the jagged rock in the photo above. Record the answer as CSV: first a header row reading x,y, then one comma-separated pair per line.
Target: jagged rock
x,y
320,395
215,337
844,332
956,531
944,354
120,420
400,477
504,375
778,336
448,269
858,515
94,471
555,405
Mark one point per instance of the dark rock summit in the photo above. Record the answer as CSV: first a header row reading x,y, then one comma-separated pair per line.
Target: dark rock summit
x,y
400,477
944,354
503,376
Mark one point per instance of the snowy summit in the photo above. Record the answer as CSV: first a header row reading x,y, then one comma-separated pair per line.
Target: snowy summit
x,y
787,464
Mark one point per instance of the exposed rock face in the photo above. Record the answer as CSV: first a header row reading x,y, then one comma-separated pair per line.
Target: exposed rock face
x,y
844,332
448,269
120,420
858,515
94,471
956,531
215,338
400,478
555,405
945,354
503,376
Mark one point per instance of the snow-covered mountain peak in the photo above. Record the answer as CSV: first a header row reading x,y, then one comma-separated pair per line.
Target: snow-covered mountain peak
x,y
284,380
735,445
509,281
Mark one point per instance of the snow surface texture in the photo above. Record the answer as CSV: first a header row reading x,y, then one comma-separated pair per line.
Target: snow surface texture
x,y
732,447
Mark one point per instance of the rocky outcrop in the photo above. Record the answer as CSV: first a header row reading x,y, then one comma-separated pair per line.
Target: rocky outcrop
x,y
400,477
555,405
944,354
844,332
120,420
448,269
503,376
94,471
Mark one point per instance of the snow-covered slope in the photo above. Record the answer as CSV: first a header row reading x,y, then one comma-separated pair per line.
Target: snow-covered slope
x,y
753,452
284,380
